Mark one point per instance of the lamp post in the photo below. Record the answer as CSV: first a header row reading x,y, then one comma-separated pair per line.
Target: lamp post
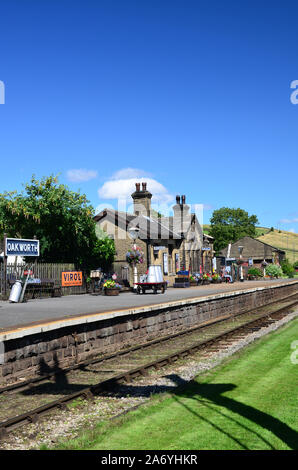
x,y
134,233
240,248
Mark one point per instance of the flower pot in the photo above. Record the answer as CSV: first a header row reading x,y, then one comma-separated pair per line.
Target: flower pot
x,y
111,291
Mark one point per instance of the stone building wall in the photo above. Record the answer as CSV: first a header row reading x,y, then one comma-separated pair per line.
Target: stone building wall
x,y
123,243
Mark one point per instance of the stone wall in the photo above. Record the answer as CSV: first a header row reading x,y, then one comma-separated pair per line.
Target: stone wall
x,y
35,353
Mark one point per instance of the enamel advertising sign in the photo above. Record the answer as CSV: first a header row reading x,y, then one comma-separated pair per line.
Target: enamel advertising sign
x,y
72,278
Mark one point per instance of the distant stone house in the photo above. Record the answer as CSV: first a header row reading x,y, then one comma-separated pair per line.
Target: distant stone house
x,y
174,242
254,250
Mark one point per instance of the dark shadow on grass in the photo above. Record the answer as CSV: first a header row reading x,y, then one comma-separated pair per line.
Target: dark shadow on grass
x,y
204,393
175,392
214,394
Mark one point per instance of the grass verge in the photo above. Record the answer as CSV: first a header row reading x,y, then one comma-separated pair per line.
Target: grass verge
x,y
248,402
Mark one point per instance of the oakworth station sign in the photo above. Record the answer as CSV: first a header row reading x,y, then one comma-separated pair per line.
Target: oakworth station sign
x,y
21,247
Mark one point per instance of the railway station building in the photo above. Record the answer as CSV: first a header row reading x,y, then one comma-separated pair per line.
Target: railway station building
x,y
254,252
175,243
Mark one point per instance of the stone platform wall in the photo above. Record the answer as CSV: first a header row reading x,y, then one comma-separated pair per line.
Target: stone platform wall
x,y
61,347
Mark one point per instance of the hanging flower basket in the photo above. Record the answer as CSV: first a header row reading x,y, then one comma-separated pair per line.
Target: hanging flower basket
x,y
135,256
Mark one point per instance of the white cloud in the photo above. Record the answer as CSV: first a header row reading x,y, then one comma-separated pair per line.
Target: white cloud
x,y
78,175
289,221
122,184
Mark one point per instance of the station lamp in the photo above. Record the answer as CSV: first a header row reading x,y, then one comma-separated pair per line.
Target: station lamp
x,y
134,234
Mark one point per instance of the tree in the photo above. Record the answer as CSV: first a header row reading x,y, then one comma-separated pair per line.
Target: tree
x,y
228,225
61,219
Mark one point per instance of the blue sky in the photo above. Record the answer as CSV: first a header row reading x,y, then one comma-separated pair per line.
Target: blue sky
x,y
191,96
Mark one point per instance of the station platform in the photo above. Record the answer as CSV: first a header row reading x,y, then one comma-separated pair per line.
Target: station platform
x,y
41,315
46,333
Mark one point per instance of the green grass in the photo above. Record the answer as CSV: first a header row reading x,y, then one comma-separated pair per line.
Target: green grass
x,y
249,402
259,230
206,229
286,241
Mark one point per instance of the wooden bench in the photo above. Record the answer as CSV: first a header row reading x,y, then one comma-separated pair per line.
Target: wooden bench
x,y
34,290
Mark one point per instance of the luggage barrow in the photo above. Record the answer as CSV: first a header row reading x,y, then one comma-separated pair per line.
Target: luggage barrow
x,y
155,286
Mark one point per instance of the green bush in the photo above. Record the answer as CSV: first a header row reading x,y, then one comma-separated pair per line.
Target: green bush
x,y
273,270
287,268
254,272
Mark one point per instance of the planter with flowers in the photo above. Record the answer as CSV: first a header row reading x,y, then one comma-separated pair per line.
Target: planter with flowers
x,y
193,281
254,274
110,287
207,278
216,278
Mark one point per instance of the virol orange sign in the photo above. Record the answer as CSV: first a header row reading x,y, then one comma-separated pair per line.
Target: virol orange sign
x,y
71,278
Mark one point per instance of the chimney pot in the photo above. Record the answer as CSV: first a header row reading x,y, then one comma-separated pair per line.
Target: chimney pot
x,y
144,186
177,199
183,199
138,185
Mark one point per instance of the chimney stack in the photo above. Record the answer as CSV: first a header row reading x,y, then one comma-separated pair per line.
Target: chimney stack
x,y
142,200
181,215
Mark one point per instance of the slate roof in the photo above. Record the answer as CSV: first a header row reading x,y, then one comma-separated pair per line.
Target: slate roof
x,y
150,227
252,248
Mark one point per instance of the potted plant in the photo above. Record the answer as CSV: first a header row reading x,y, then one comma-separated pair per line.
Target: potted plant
x,y
193,280
88,284
254,274
111,287
216,278
206,278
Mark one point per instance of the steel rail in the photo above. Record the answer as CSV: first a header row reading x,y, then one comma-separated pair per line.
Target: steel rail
x,y
33,415
26,384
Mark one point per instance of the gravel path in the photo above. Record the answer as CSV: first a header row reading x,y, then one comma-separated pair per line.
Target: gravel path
x,y
69,424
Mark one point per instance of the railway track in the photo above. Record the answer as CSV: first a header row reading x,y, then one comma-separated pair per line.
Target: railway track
x,y
98,375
